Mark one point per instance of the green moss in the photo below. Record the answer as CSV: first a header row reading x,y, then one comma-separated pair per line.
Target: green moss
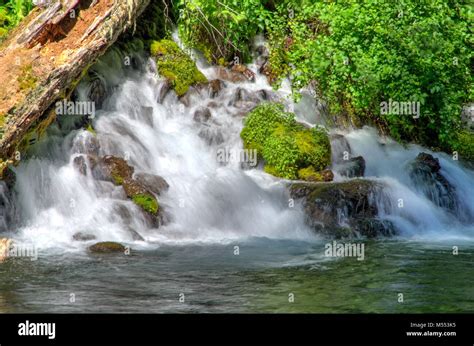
x,y
309,174
106,247
27,80
90,129
285,145
117,178
465,145
146,202
176,66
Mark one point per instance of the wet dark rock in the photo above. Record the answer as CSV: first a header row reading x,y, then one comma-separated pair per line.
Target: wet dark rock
x,y
88,145
135,235
111,168
151,182
97,92
212,135
427,178
352,168
342,209
9,178
163,89
215,87
202,115
107,247
80,164
238,73
340,148
147,114
80,236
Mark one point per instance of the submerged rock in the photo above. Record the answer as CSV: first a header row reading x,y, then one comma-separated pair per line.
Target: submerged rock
x,y
80,236
80,164
342,209
107,247
425,173
202,115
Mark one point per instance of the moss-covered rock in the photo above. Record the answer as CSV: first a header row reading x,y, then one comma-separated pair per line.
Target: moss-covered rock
x,y
141,196
176,66
309,174
147,202
285,145
107,247
343,209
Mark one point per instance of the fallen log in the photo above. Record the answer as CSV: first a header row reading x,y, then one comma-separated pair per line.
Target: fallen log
x,y
44,59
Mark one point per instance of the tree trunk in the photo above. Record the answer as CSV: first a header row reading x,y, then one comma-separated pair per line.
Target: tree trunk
x,y
44,58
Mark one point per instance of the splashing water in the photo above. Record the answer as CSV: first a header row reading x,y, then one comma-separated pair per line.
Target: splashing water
x,y
208,201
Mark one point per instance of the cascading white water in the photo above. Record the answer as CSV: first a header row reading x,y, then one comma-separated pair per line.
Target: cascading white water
x,y
411,211
208,201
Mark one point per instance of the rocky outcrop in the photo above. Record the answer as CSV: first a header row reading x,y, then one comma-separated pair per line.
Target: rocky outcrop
x,y
425,173
142,188
342,209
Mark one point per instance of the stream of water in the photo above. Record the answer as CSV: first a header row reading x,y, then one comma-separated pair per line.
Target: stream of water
x,y
212,208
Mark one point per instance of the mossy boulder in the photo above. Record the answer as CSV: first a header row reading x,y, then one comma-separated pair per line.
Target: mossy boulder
x,y
285,145
107,247
140,189
343,209
111,168
176,66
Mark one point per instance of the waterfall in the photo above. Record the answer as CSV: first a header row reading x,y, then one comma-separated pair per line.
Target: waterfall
x,y
207,201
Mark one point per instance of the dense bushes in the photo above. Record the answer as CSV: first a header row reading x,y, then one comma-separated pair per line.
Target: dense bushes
x,y
221,29
357,55
286,146
11,13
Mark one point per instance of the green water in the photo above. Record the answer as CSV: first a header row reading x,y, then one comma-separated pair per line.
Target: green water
x,y
262,278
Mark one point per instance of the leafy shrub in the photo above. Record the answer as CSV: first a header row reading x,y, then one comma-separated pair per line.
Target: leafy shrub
x,y
359,54
221,29
11,13
356,54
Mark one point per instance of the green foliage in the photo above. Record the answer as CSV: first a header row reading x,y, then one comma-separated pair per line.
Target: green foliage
x,y
11,13
358,54
464,145
355,54
285,145
176,66
146,202
222,29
